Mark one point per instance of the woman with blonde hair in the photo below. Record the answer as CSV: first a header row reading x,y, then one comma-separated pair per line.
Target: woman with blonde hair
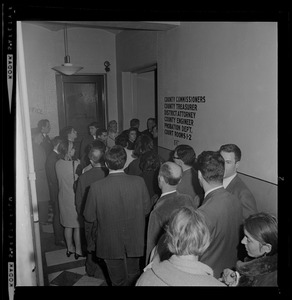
x,y
187,237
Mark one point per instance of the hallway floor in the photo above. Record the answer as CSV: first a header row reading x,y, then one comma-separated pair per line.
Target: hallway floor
x,y
60,270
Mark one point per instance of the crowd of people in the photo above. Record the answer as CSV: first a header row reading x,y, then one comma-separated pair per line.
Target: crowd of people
x,y
189,220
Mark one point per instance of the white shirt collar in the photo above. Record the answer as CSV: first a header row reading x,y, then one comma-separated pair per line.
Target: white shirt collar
x,y
213,189
116,171
167,193
227,180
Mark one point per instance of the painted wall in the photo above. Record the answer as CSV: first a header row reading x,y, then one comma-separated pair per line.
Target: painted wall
x,y
44,49
233,67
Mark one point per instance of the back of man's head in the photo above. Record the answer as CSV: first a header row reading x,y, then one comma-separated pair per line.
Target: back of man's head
x,y
95,155
122,140
135,123
171,173
211,164
186,153
116,157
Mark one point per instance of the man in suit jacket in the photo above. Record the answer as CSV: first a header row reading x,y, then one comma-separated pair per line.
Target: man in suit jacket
x,y
185,156
54,190
233,184
44,127
97,172
169,177
84,150
222,211
119,203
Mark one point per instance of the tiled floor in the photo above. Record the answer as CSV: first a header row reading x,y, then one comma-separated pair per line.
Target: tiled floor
x,y
60,270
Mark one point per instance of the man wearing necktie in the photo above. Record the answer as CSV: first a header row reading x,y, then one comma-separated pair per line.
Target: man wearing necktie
x,y
44,127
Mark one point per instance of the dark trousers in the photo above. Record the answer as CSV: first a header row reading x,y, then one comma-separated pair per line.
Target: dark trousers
x,y
123,272
58,228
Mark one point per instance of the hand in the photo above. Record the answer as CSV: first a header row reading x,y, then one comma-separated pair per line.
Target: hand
x,y
230,277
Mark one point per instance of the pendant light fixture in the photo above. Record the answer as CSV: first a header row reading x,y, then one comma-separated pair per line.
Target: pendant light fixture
x,y
67,68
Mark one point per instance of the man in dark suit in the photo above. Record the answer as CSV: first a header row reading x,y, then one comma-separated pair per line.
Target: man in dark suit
x,y
97,172
119,203
222,211
233,183
44,127
151,122
185,156
51,160
84,150
169,177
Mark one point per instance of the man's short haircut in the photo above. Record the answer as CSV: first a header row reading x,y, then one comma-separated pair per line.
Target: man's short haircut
x,y
186,153
42,123
122,140
232,148
212,166
167,173
95,124
116,157
134,122
96,154
100,131
187,232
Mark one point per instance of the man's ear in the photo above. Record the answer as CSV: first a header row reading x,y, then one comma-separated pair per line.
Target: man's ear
x,y
267,248
236,165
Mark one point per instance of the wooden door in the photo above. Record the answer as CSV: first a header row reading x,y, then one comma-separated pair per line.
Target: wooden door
x,y
81,100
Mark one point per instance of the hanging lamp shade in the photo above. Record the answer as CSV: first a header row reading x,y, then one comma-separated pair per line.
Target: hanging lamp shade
x,y
67,68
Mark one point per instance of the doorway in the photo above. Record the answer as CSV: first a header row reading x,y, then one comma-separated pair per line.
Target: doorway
x,y
81,100
145,94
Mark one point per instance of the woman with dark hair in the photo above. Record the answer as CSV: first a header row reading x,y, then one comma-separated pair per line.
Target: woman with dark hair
x,y
66,173
261,243
150,163
143,144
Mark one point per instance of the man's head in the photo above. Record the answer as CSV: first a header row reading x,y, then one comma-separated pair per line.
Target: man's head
x,y
101,133
184,155
232,155
92,127
122,140
150,123
135,123
169,175
96,155
210,166
115,158
44,126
